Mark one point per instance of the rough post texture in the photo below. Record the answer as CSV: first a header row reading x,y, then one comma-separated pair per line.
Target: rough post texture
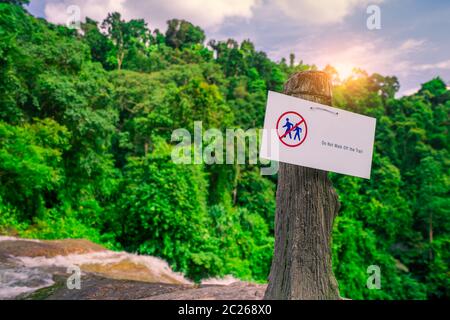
x,y
306,207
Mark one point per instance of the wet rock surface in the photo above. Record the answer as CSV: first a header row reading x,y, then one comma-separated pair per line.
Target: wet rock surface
x,y
99,288
95,287
235,291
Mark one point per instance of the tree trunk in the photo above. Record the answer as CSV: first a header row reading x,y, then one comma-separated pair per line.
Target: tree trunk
x,y
306,207
120,57
430,234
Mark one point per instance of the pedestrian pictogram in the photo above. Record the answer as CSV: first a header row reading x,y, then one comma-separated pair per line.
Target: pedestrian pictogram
x,y
292,129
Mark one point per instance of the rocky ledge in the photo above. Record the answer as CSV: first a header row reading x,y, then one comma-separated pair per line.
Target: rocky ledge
x,y
38,269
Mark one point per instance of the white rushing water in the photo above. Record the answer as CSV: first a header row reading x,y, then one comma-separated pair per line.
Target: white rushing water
x,y
17,280
228,279
158,267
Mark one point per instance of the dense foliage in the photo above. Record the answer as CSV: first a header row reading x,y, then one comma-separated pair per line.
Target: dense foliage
x,y
85,141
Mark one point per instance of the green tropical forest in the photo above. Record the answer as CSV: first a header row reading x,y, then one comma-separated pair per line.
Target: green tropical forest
x,y
86,120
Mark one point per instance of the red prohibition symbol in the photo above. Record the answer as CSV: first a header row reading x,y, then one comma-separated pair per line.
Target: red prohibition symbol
x,y
292,129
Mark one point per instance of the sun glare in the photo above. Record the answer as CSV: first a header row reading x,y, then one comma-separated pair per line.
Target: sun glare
x,y
344,70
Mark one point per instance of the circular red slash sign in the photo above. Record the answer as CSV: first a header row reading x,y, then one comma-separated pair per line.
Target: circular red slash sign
x,y
289,136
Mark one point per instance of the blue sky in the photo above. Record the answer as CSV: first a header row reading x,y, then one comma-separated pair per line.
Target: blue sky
x,y
413,42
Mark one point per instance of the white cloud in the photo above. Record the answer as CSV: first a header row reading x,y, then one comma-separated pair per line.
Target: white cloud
x,y
321,11
380,56
409,92
205,13
411,44
376,55
433,66
56,11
